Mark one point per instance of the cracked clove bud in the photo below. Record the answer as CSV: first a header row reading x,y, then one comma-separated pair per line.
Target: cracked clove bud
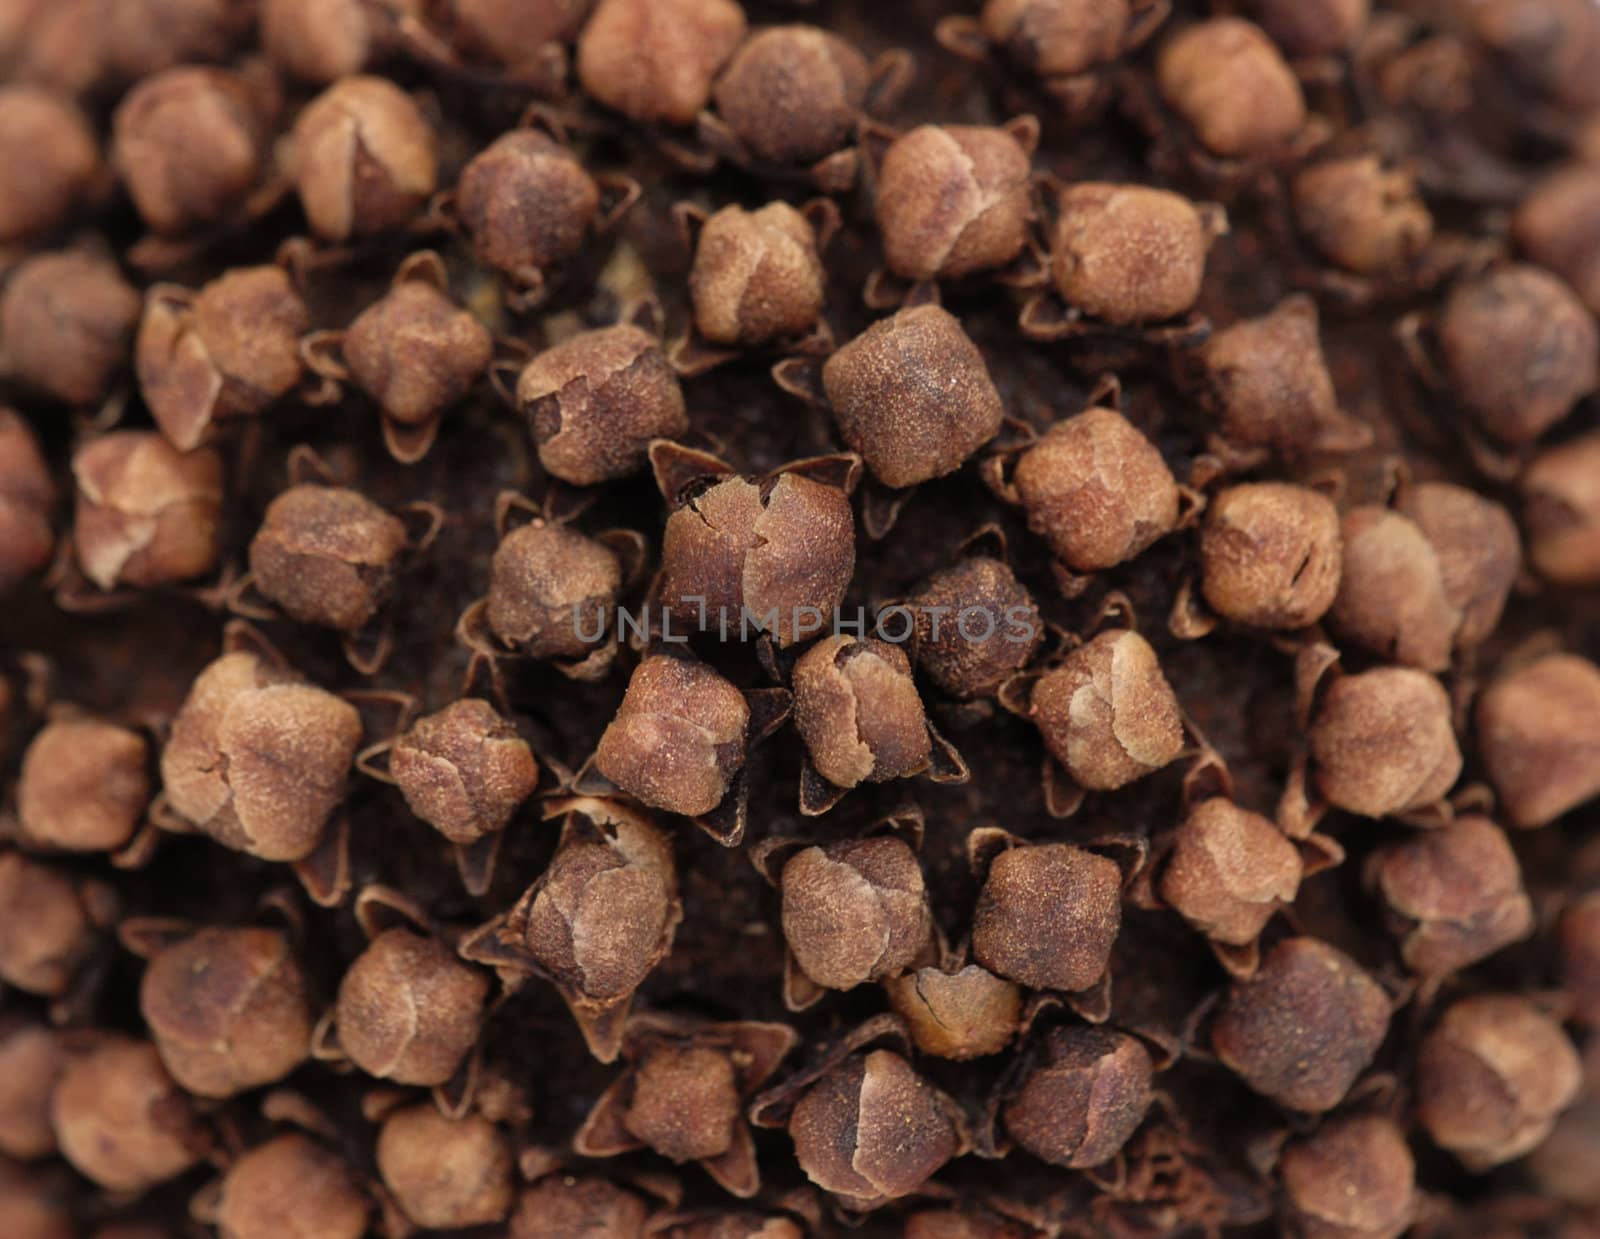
x,y
858,711
1579,939
83,786
872,1130
953,200
1105,238
416,352
322,41
855,911
65,322
913,396
595,402
1107,713
1229,871
327,555
1048,916
677,740
565,1206
188,143
792,93
1539,737
1383,742
1271,384
257,758
1561,511
1491,1078
1097,490
364,159
1078,1106
32,1058
464,770
1271,555
291,1186
51,137
1546,355
1391,598
226,351
513,32
548,585
1454,895
1232,86
144,37
27,499
1479,553
1305,28
1058,38
655,60
959,1015
526,204
147,514
1353,1178
772,550
1363,216
1304,1027
47,928
229,1010
444,1173
121,1121
974,666
756,276
408,1009
1555,227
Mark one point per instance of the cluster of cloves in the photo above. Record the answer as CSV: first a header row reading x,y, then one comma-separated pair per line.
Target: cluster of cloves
x,y
725,619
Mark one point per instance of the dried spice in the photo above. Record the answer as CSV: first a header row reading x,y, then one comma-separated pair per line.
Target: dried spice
x,y
757,276
1048,916
912,395
1454,895
1537,731
549,587
774,552
1304,1027
855,911
678,737
654,60
83,786
595,403
121,1121
1545,354
1313,27
147,514
969,1013
1230,83
1083,1099
464,770
858,710
49,926
364,159
257,758
1353,1178
290,1185
973,660
229,1009
327,555
1271,555
1269,380
188,143
1491,1078
513,33
324,40
31,1061
1107,713
1129,254
446,1173
1062,38
1561,511
1229,871
572,1206
1554,226
27,499
953,200
408,1009
1096,490
1360,214
228,350
1383,742
62,156
1579,935
65,322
